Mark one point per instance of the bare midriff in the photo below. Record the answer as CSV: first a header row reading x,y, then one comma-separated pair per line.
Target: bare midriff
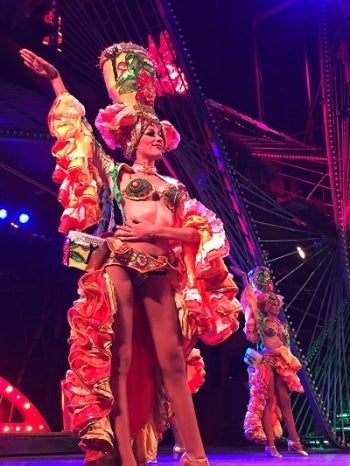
x,y
273,334
151,210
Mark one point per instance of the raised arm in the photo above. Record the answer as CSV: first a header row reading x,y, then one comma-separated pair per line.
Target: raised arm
x,y
250,306
43,68
238,271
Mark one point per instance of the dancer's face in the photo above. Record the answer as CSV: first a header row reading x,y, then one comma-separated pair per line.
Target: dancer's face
x,y
151,145
272,305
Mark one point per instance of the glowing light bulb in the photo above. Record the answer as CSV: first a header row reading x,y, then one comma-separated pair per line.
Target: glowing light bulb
x,y
23,218
301,252
3,214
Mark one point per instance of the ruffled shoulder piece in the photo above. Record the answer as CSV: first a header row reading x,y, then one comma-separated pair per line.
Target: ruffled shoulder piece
x,y
74,171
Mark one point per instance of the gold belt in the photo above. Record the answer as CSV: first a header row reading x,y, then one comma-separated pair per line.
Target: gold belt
x,y
127,256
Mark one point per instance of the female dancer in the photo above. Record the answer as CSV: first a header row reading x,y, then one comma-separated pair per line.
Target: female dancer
x,y
273,370
156,281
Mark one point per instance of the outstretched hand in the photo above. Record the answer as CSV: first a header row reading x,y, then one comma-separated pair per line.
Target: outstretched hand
x,y
38,64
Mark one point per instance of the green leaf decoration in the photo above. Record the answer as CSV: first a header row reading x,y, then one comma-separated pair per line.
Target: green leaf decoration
x,y
127,87
130,74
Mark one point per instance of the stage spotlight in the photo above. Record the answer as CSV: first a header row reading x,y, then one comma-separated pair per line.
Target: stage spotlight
x,y
301,252
23,218
3,214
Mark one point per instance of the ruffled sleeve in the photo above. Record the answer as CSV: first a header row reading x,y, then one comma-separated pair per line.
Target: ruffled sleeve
x,y
209,306
74,171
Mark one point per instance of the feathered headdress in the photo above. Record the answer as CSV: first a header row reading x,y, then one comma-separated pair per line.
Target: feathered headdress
x,y
130,79
262,284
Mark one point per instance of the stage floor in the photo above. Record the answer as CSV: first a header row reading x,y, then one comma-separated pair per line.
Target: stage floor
x,y
243,456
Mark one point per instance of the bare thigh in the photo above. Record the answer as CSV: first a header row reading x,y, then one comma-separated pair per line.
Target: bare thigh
x,y
282,393
158,301
122,325
270,387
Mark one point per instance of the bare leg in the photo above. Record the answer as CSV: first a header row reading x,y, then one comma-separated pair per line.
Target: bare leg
x,y
179,446
270,448
163,319
286,407
179,440
121,360
266,418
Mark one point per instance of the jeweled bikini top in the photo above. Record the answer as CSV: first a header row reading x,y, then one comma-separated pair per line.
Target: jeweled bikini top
x,y
141,189
280,331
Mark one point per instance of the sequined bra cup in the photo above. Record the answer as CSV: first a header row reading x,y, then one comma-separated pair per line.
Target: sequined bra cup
x,y
282,332
271,332
141,189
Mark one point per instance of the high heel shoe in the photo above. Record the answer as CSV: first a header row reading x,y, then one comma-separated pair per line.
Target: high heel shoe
x,y
177,451
272,451
186,460
297,447
153,460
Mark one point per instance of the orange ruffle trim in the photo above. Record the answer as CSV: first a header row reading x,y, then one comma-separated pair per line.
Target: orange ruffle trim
x,y
74,170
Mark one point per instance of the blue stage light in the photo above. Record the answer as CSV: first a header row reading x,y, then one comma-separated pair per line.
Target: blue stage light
x,y
23,218
3,214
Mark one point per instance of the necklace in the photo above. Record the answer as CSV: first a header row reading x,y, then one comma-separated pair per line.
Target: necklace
x,y
147,169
